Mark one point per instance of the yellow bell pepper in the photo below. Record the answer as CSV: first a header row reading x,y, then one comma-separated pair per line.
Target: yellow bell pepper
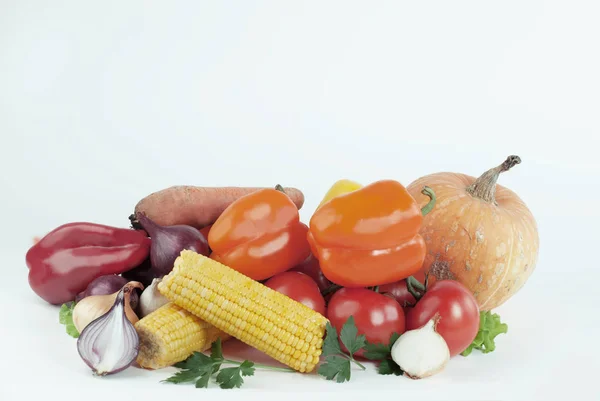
x,y
340,187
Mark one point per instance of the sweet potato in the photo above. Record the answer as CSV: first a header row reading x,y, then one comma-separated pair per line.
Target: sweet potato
x,y
197,206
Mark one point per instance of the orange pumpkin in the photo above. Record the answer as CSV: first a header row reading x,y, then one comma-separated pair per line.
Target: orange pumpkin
x,y
479,233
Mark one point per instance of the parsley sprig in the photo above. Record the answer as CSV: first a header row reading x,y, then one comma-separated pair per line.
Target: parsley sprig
x,y
383,354
199,368
337,363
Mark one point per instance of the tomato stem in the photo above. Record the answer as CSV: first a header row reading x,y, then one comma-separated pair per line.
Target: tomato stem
x,y
415,288
416,283
330,289
429,206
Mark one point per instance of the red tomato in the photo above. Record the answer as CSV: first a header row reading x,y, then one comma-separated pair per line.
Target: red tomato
x,y
376,316
299,287
399,291
311,267
458,309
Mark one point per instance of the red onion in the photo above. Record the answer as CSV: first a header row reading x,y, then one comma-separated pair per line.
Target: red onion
x,y
142,273
168,242
110,343
108,284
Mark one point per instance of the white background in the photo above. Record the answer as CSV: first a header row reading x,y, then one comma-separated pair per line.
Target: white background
x,y
103,102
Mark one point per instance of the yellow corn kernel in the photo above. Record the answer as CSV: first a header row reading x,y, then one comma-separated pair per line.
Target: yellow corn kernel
x,y
273,321
171,334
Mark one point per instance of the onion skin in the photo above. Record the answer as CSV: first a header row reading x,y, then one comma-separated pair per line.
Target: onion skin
x,y
489,245
94,306
108,284
168,242
97,340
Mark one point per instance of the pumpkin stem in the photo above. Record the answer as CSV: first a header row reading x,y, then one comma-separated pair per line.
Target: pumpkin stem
x,y
484,187
429,206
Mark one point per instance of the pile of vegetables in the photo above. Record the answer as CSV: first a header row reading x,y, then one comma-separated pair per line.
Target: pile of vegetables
x,y
407,277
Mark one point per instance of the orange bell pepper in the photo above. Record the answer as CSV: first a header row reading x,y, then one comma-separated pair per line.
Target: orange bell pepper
x,y
260,235
370,236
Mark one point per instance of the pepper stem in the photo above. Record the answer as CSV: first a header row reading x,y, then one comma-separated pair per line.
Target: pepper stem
x,y
484,187
279,188
429,206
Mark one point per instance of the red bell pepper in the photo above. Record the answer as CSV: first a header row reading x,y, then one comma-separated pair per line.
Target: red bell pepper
x,y
67,259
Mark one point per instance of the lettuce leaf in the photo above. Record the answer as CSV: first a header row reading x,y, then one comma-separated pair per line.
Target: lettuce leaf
x,y
489,327
65,316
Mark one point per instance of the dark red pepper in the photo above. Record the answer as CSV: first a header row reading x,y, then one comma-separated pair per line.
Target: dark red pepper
x,y
67,259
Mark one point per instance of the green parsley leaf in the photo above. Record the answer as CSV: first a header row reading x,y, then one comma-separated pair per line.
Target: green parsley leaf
x,y
183,376
65,316
202,382
393,338
490,326
195,361
230,378
335,367
389,367
199,368
247,368
331,345
376,351
216,350
350,338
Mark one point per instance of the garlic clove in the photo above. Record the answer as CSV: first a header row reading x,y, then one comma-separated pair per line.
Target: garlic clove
x,y
110,343
151,299
422,352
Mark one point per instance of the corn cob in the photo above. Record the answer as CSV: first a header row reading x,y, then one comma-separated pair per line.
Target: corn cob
x,y
170,334
267,320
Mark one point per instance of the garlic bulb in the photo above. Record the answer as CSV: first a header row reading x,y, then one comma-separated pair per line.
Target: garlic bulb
x,y
421,352
94,306
151,299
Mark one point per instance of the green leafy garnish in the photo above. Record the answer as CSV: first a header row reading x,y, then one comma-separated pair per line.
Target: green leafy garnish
x,y
489,327
382,353
65,316
199,368
389,367
337,363
378,351
331,345
350,338
337,368
232,377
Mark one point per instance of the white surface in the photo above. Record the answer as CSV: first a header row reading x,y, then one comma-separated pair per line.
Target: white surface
x,y
102,104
